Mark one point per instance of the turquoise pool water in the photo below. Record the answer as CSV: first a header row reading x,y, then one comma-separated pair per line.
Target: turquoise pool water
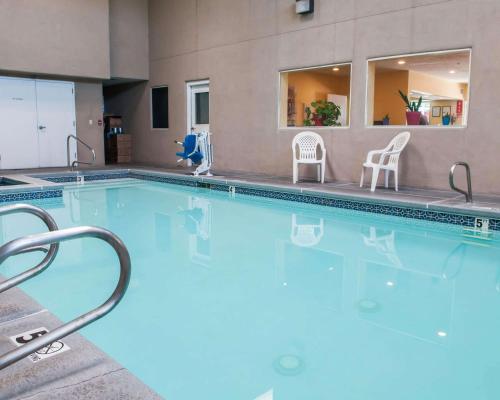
x,y
248,298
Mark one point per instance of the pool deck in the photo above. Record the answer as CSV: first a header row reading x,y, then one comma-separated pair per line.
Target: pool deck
x,y
85,372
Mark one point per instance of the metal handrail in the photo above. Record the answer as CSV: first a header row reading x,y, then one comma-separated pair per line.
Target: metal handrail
x,y
50,254
468,194
72,165
19,245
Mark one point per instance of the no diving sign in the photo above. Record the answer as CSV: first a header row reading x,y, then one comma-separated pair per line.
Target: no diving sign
x,y
52,349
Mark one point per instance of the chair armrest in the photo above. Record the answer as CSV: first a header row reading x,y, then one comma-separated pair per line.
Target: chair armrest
x,y
372,153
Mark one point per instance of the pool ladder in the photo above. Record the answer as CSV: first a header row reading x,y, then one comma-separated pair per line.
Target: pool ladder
x,y
451,178
37,242
72,165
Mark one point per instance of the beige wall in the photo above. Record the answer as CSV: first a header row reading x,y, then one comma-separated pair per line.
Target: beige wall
x,y
56,37
241,46
129,43
88,106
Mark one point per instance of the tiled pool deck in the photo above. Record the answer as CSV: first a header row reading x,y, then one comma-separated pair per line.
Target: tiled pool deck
x,y
85,372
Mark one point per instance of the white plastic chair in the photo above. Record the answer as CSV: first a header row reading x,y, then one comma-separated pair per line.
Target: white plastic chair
x,y
307,143
388,161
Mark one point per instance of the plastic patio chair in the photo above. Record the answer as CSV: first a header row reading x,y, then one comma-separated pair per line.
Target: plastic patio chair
x,y
307,143
388,161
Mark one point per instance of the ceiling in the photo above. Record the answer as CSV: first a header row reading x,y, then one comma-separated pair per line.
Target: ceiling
x,y
435,64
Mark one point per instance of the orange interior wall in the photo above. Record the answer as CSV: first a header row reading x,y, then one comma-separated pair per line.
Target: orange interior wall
x,y
310,86
387,99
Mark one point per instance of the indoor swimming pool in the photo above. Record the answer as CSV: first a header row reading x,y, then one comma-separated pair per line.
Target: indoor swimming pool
x,y
240,297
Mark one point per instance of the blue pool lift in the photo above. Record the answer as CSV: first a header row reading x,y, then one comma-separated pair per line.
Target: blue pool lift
x,y
198,150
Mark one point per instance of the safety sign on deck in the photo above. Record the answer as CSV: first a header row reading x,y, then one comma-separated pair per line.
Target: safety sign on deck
x,y
52,349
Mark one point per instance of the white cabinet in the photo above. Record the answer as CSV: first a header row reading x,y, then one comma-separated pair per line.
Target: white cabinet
x,y
36,117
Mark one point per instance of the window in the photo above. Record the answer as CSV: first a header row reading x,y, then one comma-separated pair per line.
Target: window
x,y
318,96
159,107
436,86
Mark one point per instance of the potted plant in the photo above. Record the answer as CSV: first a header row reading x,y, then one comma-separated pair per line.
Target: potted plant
x,y
307,119
446,119
325,113
385,120
413,113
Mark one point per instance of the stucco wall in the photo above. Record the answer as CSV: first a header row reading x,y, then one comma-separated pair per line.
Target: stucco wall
x,y
241,46
56,37
129,46
88,107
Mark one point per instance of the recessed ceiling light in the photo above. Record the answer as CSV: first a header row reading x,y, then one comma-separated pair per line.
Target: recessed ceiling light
x,y
442,334
401,62
336,69
451,71
389,283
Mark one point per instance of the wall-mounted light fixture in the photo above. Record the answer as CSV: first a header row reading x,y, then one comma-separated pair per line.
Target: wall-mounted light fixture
x,y
304,6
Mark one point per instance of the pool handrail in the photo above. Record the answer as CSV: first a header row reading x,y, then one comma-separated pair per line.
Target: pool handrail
x,y
20,245
51,253
451,179
72,165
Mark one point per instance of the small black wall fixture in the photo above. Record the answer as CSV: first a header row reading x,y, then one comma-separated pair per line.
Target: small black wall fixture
x,y
304,6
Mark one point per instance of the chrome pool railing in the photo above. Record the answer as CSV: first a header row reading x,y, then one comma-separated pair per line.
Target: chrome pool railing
x,y
451,179
76,162
53,238
51,252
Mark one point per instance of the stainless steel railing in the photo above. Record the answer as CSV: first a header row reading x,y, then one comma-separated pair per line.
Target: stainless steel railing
x,y
51,252
53,238
451,177
72,165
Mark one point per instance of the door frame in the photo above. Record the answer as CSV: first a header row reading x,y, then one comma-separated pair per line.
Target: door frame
x,y
190,89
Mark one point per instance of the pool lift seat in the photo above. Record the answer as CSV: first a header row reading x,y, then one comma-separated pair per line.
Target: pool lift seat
x,y
198,150
38,242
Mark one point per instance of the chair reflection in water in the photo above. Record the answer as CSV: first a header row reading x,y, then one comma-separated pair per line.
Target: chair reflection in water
x,y
384,243
306,235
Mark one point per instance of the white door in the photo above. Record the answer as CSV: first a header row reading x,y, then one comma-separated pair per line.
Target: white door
x,y
56,120
18,124
198,106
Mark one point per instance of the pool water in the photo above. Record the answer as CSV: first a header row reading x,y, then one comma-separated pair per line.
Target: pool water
x,y
250,298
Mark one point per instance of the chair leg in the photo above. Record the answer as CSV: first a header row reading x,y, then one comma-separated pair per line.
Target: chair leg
x,y
374,178
362,180
386,178
318,172
295,172
396,180
323,172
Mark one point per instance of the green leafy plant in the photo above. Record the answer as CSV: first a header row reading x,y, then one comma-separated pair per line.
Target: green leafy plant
x,y
308,120
411,105
326,111
386,116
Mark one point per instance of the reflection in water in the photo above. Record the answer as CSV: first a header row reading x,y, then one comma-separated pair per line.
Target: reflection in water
x,y
198,223
306,231
383,241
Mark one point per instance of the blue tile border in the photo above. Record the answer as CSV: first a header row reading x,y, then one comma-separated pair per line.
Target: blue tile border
x,y
349,204
30,195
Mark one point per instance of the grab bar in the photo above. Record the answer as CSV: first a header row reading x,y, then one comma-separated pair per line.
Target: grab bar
x,y
19,245
50,254
468,194
72,165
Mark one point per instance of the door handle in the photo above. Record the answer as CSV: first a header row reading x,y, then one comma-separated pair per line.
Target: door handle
x,y
41,127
